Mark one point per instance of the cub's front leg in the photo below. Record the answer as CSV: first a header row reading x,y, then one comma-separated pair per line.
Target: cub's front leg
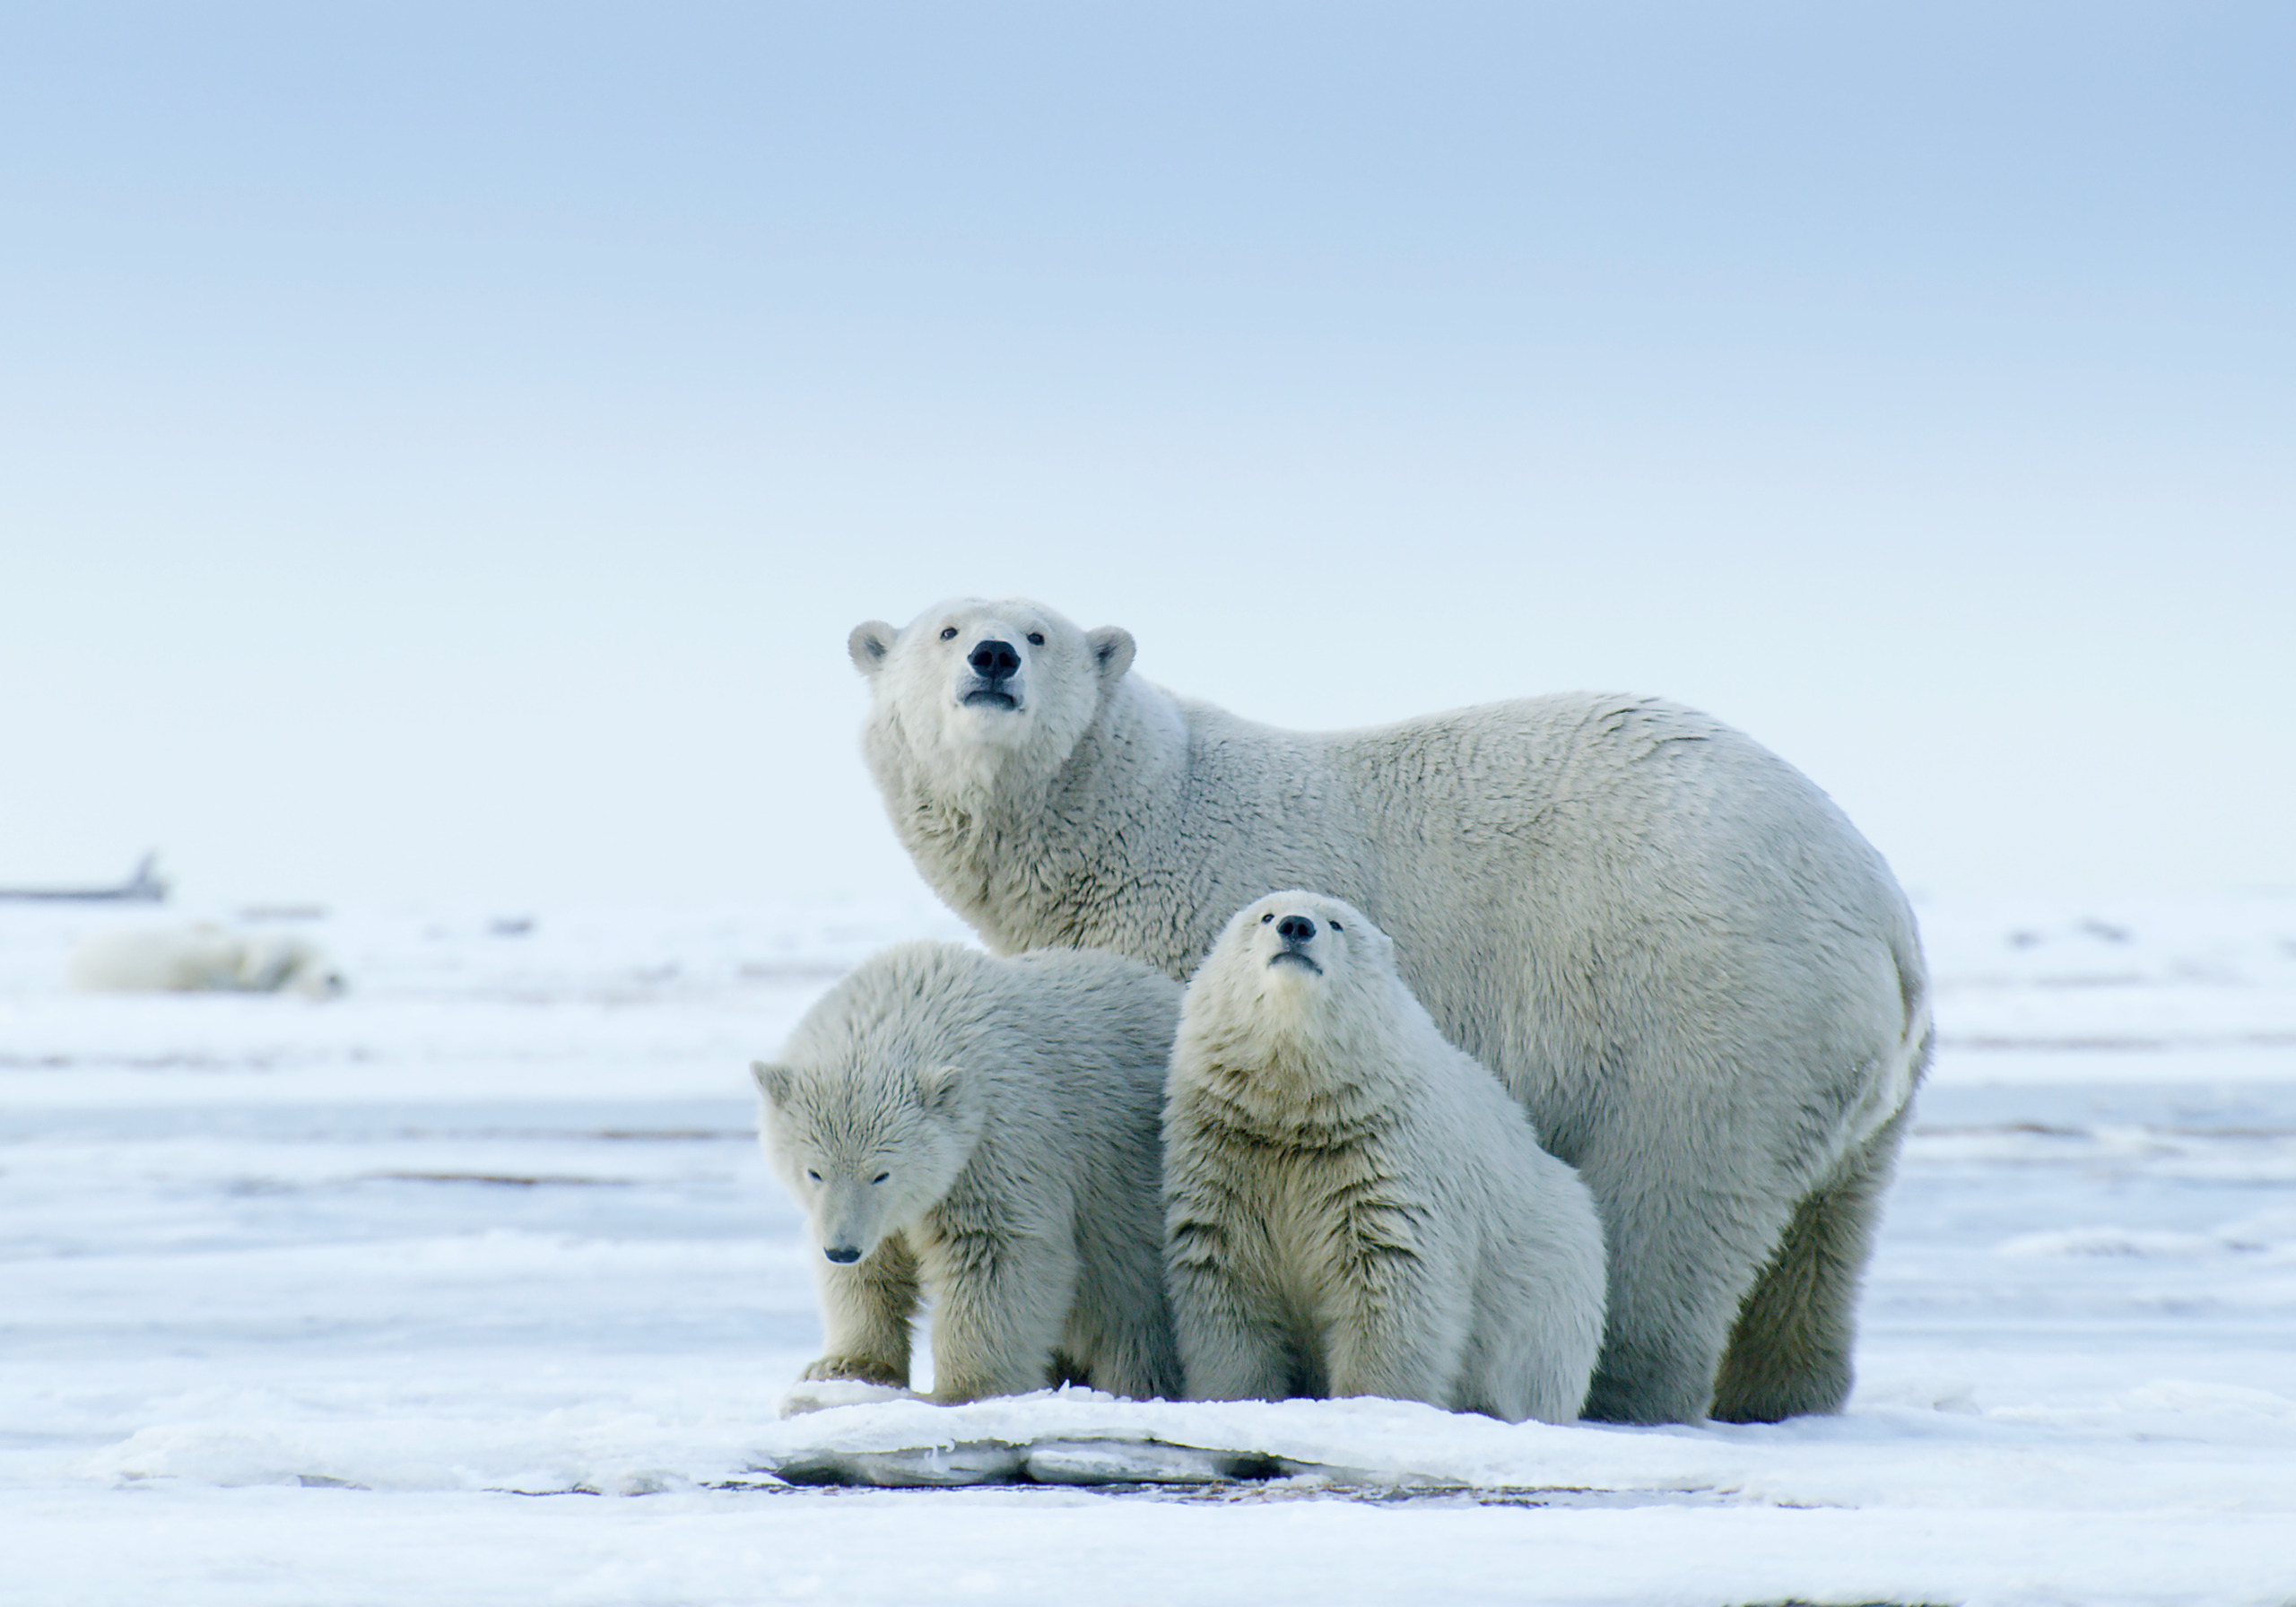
x,y
1234,1341
1397,1317
1001,1300
866,1312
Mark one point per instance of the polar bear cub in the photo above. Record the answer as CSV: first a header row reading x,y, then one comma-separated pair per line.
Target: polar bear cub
x,y
1354,1207
984,1131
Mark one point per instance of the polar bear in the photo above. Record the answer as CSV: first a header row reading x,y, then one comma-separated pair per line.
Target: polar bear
x,y
1702,984
201,958
986,1130
1354,1207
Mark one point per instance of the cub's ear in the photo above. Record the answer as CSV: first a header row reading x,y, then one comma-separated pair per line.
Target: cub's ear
x,y
776,1083
941,1090
869,644
1112,649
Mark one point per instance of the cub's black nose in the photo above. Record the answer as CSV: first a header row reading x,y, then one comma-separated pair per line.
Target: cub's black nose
x,y
994,661
1295,928
844,1255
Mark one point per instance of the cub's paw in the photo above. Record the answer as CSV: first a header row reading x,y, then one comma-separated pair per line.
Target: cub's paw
x,y
857,1370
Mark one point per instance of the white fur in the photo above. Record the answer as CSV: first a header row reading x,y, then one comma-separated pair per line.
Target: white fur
x,y
1685,963
1353,1207
201,958
985,1131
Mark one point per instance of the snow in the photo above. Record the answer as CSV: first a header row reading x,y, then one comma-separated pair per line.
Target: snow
x,y
471,1286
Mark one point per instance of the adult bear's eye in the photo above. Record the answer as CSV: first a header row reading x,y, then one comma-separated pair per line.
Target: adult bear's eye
x,y
1035,638
1335,927
948,633
1267,918
815,1176
881,1176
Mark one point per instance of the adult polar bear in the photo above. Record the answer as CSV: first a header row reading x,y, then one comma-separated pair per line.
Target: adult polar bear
x,y
1679,956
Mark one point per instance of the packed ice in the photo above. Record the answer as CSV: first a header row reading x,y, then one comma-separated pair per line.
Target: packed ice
x,y
470,1283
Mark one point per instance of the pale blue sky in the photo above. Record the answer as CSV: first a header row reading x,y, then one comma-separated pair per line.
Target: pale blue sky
x,y
442,448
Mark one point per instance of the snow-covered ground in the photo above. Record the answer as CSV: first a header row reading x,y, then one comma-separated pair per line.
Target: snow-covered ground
x,y
471,1286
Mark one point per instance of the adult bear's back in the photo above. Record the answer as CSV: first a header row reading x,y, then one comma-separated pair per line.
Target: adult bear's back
x,y
1666,889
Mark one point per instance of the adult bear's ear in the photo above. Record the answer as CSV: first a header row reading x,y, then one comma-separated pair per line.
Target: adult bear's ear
x,y
1112,649
869,644
774,1081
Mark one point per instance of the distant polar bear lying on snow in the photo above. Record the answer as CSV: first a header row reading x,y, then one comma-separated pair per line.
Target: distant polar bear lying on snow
x,y
201,958
1353,1207
1700,981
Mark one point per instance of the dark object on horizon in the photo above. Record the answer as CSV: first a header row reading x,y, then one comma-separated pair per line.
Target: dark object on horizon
x,y
146,886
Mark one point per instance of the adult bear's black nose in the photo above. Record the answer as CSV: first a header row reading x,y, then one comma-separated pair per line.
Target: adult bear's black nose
x,y
994,660
1295,928
843,1255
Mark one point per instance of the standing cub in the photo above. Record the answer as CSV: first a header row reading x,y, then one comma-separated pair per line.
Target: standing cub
x,y
1354,1207
987,1130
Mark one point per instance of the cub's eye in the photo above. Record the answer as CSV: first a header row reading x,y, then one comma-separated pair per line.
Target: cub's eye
x,y
1035,638
1267,918
815,1176
881,1176
1335,927
948,633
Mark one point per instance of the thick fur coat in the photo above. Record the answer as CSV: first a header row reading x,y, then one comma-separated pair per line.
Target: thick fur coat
x,y
1702,984
984,1131
1354,1207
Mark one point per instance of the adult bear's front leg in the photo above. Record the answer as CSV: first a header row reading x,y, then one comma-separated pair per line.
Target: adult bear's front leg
x,y
866,1312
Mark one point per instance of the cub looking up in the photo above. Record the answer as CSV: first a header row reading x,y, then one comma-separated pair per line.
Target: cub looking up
x,y
1354,1207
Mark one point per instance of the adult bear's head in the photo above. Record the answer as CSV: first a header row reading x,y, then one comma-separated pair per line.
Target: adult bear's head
x,y
980,695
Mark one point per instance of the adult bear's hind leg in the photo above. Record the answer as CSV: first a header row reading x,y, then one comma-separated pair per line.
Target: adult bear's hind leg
x,y
1790,1350
1681,1263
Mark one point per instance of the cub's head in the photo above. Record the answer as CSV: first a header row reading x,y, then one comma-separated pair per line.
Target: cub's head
x,y
983,692
1297,964
865,1153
